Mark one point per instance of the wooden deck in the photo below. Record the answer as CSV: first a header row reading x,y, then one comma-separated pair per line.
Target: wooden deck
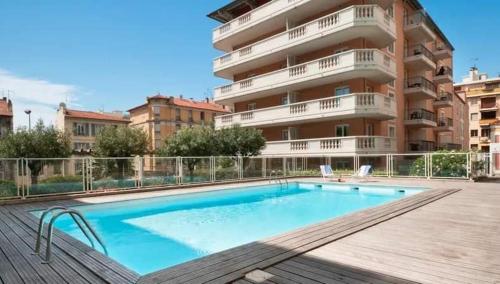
x,y
439,236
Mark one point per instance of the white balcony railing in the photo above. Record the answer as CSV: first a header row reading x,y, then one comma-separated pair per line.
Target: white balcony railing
x,y
354,16
264,12
349,106
367,63
334,145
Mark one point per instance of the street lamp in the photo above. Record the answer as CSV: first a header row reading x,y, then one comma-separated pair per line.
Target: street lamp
x,y
28,112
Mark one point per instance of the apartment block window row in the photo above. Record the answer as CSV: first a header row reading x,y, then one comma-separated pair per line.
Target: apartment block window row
x,y
86,129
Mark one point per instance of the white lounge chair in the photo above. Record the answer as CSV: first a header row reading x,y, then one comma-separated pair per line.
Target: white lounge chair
x,y
326,171
364,172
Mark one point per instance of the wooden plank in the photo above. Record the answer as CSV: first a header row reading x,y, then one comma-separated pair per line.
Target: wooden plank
x,y
106,268
232,263
8,273
306,276
291,277
68,268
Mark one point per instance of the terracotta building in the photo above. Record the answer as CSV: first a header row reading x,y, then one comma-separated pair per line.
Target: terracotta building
x,y
483,98
161,116
6,116
338,76
84,125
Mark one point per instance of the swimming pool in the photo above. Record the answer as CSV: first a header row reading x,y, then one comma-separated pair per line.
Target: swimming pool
x,y
150,234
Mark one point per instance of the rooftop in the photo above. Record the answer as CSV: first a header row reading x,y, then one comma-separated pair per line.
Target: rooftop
x,y
187,103
5,107
95,115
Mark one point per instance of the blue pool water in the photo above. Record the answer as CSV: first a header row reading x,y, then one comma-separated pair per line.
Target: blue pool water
x,y
155,233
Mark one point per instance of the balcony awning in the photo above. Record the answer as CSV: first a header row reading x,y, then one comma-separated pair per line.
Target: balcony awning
x,y
487,122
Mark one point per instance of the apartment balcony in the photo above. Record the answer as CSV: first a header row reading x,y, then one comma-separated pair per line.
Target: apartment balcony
x,y
443,75
489,104
484,139
420,118
442,52
371,64
444,99
332,146
270,16
418,28
420,146
369,105
444,125
419,58
419,88
366,21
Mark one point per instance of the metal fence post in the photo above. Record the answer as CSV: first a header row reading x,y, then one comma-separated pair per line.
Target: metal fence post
x,y
240,167
179,170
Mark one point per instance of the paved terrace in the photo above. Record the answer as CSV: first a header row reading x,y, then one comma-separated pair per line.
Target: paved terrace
x,y
449,234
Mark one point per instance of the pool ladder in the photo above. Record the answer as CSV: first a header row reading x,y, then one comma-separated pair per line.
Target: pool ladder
x,y
77,217
275,178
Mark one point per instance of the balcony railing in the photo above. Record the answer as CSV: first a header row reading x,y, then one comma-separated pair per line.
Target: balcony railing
x,y
442,51
420,83
421,146
333,145
339,107
374,64
444,99
445,122
419,49
420,114
417,27
365,15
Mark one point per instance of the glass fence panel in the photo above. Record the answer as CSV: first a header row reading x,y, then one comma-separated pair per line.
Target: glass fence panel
x,y
9,180
253,167
275,166
480,164
308,166
159,171
342,166
195,169
226,168
413,165
114,173
378,163
54,176
449,165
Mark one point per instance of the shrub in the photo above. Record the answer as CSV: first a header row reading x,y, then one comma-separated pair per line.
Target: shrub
x,y
444,164
8,188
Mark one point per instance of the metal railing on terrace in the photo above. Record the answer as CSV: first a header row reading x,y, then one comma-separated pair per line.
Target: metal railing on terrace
x,y
419,49
29,177
420,82
417,114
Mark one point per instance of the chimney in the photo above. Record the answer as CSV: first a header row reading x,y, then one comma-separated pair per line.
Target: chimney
x,y
180,96
207,100
62,106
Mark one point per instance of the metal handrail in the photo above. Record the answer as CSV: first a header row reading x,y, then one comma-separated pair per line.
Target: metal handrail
x,y
277,178
79,221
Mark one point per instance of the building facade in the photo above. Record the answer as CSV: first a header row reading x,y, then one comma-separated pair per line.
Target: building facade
x,y
338,76
483,98
83,126
6,117
161,116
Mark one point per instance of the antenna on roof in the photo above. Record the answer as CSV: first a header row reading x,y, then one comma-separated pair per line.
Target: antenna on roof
x,y
475,60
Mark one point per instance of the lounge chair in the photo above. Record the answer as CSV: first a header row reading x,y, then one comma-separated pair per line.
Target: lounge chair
x,y
364,172
326,171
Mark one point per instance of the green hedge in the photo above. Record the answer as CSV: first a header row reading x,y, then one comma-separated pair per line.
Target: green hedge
x,y
444,164
8,188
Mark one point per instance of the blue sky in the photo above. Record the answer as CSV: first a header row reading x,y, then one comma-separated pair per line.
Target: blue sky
x,y
111,54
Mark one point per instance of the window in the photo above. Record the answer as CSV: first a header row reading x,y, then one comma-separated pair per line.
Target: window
x,y
156,110
485,132
390,48
284,134
473,101
391,83
157,143
251,106
369,129
177,114
473,116
294,133
202,116
473,133
190,115
489,115
390,11
392,131
341,91
391,95
81,129
284,100
473,146
342,130
157,127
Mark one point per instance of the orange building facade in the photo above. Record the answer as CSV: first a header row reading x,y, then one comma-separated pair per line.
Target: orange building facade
x,y
338,77
161,116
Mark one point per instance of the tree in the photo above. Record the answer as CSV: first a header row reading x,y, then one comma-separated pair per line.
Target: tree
x,y
206,141
112,141
40,142
239,141
120,141
189,142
